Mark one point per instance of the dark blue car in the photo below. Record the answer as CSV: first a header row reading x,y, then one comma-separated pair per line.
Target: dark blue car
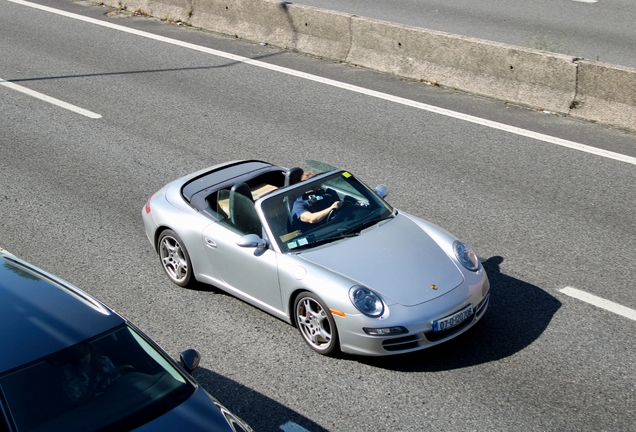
x,y
69,363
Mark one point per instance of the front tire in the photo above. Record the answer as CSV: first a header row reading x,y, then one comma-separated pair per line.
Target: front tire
x,y
316,324
175,259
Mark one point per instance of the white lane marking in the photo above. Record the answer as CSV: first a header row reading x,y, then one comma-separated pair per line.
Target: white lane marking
x,y
50,99
600,302
292,427
586,1
445,112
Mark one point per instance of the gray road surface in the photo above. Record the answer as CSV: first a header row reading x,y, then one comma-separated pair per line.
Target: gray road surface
x,y
544,217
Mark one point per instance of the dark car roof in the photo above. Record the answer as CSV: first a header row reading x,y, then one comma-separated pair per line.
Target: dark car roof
x,y
41,314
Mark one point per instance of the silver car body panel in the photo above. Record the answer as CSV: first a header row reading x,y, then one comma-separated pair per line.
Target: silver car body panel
x,y
409,262
396,259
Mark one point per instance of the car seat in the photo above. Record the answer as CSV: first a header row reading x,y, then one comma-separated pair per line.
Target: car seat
x,y
242,212
293,176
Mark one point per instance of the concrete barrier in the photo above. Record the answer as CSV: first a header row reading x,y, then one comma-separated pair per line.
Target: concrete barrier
x,y
167,10
606,93
314,31
506,72
588,90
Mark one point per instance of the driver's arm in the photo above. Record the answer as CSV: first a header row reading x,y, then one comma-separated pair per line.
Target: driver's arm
x,y
311,218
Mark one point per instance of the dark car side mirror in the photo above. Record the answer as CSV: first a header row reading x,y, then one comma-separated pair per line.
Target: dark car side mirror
x,y
190,360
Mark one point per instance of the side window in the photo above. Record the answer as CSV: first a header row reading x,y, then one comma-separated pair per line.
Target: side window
x,y
217,205
223,205
236,211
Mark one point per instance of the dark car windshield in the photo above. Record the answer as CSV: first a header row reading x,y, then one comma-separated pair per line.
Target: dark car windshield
x,y
358,208
116,381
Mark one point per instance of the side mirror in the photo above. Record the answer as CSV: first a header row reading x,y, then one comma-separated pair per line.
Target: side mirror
x,y
251,241
190,360
382,190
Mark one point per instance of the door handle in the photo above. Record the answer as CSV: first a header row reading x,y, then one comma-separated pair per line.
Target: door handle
x,y
210,243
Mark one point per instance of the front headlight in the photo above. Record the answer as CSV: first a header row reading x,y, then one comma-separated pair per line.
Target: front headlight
x,y
466,256
366,301
235,423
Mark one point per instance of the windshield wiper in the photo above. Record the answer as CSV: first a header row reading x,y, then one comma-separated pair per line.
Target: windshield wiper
x,y
367,224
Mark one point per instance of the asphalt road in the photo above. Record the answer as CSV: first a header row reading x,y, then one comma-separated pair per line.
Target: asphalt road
x,y
601,30
543,217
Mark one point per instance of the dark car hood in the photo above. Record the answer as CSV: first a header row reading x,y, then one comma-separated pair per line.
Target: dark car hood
x,y
198,413
397,259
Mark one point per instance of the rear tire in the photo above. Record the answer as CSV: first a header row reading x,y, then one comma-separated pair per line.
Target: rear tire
x,y
175,259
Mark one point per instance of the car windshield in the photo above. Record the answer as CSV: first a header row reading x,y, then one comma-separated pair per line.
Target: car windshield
x,y
116,381
358,208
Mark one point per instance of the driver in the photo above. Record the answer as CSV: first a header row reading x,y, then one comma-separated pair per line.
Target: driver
x,y
312,207
86,373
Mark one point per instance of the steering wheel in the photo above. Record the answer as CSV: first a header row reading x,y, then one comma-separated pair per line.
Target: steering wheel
x,y
333,211
119,370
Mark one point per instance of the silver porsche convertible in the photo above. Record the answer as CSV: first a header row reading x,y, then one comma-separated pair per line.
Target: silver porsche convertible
x,y
324,253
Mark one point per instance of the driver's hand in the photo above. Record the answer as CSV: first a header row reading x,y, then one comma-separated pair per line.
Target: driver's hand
x,y
335,205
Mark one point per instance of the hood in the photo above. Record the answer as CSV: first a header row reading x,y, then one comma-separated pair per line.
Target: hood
x,y
397,259
197,413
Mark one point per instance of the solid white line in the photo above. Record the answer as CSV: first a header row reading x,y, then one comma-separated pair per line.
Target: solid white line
x,y
292,427
600,302
445,112
49,99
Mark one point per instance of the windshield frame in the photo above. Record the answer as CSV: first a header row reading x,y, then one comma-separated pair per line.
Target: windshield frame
x,y
89,415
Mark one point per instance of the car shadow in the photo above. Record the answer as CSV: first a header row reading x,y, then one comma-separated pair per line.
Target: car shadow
x,y
205,287
259,411
518,314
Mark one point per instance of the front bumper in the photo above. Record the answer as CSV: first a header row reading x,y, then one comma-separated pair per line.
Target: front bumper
x,y
419,322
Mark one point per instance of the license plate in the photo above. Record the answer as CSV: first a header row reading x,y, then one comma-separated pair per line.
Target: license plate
x,y
453,320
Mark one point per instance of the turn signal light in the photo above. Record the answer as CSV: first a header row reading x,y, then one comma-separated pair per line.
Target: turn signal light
x,y
337,312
